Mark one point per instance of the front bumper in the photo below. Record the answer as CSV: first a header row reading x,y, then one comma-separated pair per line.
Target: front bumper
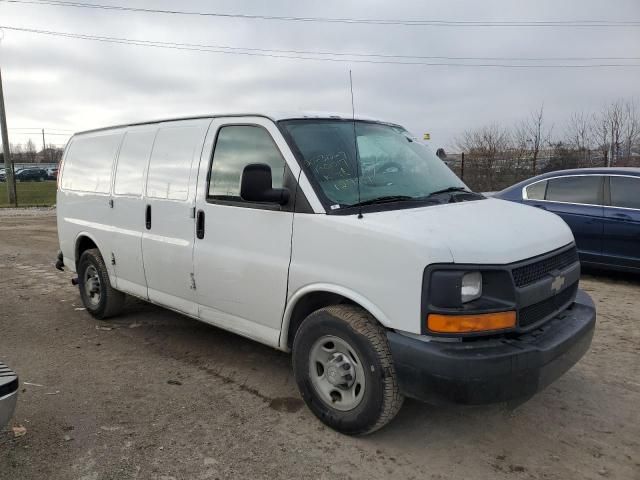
x,y
8,394
497,369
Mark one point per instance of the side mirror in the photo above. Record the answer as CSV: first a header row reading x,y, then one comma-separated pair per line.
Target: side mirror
x,y
256,185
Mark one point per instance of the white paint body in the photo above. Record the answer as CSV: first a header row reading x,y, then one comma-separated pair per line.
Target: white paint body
x,y
253,265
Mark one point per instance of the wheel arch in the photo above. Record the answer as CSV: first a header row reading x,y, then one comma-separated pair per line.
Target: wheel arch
x,y
310,298
84,241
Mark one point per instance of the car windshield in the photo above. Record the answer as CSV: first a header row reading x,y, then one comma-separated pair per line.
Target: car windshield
x,y
389,164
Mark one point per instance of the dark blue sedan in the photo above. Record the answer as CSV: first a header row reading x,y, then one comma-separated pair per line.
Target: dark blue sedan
x,y
600,205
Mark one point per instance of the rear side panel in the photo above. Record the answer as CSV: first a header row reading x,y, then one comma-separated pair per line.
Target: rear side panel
x,y
84,193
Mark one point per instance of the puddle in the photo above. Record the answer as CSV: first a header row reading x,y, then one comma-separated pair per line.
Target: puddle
x,y
286,404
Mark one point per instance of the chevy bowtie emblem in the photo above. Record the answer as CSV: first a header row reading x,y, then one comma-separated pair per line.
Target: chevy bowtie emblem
x,y
557,283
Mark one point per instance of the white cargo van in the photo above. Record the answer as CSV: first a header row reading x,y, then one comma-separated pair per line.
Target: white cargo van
x,y
344,241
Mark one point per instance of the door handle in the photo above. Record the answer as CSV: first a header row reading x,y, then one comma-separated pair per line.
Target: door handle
x,y
622,216
147,217
200,224
537,205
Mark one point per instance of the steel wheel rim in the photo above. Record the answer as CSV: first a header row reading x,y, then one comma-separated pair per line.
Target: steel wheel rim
x,y
337,373
92,286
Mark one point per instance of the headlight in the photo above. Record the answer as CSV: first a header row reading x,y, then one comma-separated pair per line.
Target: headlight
x,y
465,299
471,288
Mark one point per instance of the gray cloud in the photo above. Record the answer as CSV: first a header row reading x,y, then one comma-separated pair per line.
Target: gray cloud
x,y
75,84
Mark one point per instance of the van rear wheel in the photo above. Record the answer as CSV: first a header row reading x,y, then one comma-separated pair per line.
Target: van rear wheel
x,y
98,296
344,370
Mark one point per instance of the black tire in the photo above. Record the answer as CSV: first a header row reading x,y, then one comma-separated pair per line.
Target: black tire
x,y
111,301
381,399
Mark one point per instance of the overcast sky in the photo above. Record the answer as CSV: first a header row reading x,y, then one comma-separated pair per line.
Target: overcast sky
x,y
76,84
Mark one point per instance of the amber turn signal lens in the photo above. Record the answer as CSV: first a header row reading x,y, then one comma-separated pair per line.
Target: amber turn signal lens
x,y
471,323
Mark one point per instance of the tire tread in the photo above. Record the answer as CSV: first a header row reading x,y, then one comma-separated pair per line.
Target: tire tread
x,y
114,299
363,323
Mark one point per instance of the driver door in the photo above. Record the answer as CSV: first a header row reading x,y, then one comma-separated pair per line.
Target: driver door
x,y
243,249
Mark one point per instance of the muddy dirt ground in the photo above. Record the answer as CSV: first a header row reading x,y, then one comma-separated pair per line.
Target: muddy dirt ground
x,y
155,395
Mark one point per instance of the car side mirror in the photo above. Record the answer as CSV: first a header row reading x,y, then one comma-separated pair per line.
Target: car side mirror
x,y
256,185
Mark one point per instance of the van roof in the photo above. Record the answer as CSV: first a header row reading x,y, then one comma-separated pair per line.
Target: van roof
x,y
274,116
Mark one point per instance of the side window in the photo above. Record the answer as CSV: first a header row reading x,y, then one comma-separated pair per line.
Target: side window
x,y
584,189
625,192
536,191
236,147
170,166
132,162
87,166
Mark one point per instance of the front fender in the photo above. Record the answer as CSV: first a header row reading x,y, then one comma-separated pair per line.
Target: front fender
x,y
355,297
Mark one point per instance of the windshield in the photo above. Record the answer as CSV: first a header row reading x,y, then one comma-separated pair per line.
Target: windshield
x,y
391,164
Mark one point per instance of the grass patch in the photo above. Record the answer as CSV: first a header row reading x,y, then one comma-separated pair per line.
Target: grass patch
x,y
31,194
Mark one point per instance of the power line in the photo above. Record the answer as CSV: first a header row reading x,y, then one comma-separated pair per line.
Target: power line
x,y
352,54
327,56
366,21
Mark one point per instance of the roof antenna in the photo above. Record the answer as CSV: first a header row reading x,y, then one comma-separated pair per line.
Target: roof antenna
x,y
355,143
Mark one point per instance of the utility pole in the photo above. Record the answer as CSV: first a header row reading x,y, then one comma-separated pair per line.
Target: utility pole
x,y
10,179
462,168
44,145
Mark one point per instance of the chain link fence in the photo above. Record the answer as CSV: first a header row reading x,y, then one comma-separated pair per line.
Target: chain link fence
x,y
489,173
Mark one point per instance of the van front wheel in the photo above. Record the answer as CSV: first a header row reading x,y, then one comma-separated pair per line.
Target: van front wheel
x,y
98,296
344,370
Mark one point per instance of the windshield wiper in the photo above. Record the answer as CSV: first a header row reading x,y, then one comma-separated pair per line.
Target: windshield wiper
x,y
387,199
449,190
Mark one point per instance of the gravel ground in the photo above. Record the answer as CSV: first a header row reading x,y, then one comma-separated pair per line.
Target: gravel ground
x,y
155,395
27,212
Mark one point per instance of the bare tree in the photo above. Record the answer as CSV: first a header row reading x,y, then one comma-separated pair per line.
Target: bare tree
x,y
54,154
630,127
616,128
497,157
531,136
30,151
600,132
614,115
17,153
484,147
578,135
